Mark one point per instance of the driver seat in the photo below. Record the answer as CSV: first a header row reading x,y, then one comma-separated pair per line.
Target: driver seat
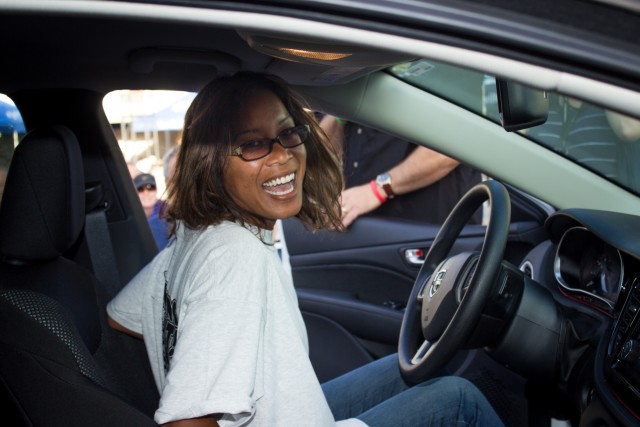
x,y
53,329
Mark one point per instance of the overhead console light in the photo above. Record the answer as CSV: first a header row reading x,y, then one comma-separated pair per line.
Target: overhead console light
x,y
310,61
310,54
318,52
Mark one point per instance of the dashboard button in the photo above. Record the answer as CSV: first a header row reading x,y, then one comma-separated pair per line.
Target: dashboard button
x,y
630,351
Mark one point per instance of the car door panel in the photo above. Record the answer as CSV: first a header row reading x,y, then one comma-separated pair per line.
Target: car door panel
x,y
352,286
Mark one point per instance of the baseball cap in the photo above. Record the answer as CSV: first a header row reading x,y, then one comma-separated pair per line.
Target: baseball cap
x,y
143,179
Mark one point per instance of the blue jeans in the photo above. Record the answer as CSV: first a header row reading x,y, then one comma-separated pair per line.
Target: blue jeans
x,y
376,394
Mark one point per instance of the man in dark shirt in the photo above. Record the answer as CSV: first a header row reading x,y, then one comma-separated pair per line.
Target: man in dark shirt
x,y
390,177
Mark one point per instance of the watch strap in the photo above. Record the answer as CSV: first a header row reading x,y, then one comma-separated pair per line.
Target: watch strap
x,y
384,181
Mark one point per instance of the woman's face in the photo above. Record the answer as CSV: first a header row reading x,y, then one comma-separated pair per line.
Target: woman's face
x,y
253,184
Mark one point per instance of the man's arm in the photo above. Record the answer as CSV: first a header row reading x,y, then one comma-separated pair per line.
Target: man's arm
x,y
421,168
627,128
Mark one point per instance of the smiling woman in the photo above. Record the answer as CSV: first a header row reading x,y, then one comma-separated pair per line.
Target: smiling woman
x,y
268,183
224,205
252,154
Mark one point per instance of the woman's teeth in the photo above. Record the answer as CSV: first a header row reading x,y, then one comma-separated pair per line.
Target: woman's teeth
x,y
280,186
281,180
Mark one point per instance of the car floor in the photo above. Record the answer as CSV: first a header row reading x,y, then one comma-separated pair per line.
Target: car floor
x,y
505,390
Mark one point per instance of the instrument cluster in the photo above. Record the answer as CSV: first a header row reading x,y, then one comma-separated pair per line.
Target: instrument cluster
x,y
589,269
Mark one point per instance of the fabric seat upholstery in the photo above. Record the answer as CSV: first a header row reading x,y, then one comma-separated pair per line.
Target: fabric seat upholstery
x,y
60,364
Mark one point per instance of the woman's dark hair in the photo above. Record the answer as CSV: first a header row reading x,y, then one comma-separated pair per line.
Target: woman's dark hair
x,y
196,192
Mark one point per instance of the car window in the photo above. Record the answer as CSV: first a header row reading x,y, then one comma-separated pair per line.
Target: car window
x,y
147,124
12,130
601,140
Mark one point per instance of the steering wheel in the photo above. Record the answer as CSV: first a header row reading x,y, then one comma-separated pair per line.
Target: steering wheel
x,y
449,293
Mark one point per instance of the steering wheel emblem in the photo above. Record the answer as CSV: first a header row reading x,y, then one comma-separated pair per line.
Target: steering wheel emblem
x,y
437,281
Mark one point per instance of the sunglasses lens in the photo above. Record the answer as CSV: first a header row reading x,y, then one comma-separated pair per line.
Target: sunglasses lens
x,y
147,187
256,149
288,138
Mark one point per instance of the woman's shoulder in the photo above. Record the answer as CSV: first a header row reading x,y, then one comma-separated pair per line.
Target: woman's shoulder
x,y
226,238
234,234
226,261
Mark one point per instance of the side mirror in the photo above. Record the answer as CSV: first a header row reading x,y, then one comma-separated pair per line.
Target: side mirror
x,y
521,107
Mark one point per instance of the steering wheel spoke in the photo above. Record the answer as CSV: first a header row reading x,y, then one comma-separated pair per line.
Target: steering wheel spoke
x,y
423,287
421,353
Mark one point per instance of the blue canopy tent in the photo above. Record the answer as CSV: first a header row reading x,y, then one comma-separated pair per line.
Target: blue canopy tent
x,y
10,118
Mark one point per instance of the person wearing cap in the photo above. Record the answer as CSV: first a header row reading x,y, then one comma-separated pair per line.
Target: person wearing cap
x,y
145,183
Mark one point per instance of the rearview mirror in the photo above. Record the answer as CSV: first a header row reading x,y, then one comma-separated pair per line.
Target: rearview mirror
x,y
521,107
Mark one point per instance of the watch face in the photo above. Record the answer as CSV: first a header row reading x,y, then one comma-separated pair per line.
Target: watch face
x,y
383,178
384,181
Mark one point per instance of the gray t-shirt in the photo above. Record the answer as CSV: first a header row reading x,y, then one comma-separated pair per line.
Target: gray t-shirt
x,y
223,331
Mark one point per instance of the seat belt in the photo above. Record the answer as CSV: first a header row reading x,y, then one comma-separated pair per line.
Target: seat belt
x,y
96,232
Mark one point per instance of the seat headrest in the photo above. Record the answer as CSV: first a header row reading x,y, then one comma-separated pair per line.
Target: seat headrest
x,y
42,211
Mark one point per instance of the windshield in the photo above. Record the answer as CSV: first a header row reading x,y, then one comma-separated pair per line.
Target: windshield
x,y
600,140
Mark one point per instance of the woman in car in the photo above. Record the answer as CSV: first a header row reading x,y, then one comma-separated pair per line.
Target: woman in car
x,y
217,311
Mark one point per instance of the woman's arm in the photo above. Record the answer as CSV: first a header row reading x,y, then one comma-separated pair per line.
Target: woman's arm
x,y
207,421
118,327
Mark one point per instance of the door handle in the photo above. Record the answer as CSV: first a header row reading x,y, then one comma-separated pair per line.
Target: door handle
x,y
415,256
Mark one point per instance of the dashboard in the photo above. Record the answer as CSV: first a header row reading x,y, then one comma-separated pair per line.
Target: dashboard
x,y
596,265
